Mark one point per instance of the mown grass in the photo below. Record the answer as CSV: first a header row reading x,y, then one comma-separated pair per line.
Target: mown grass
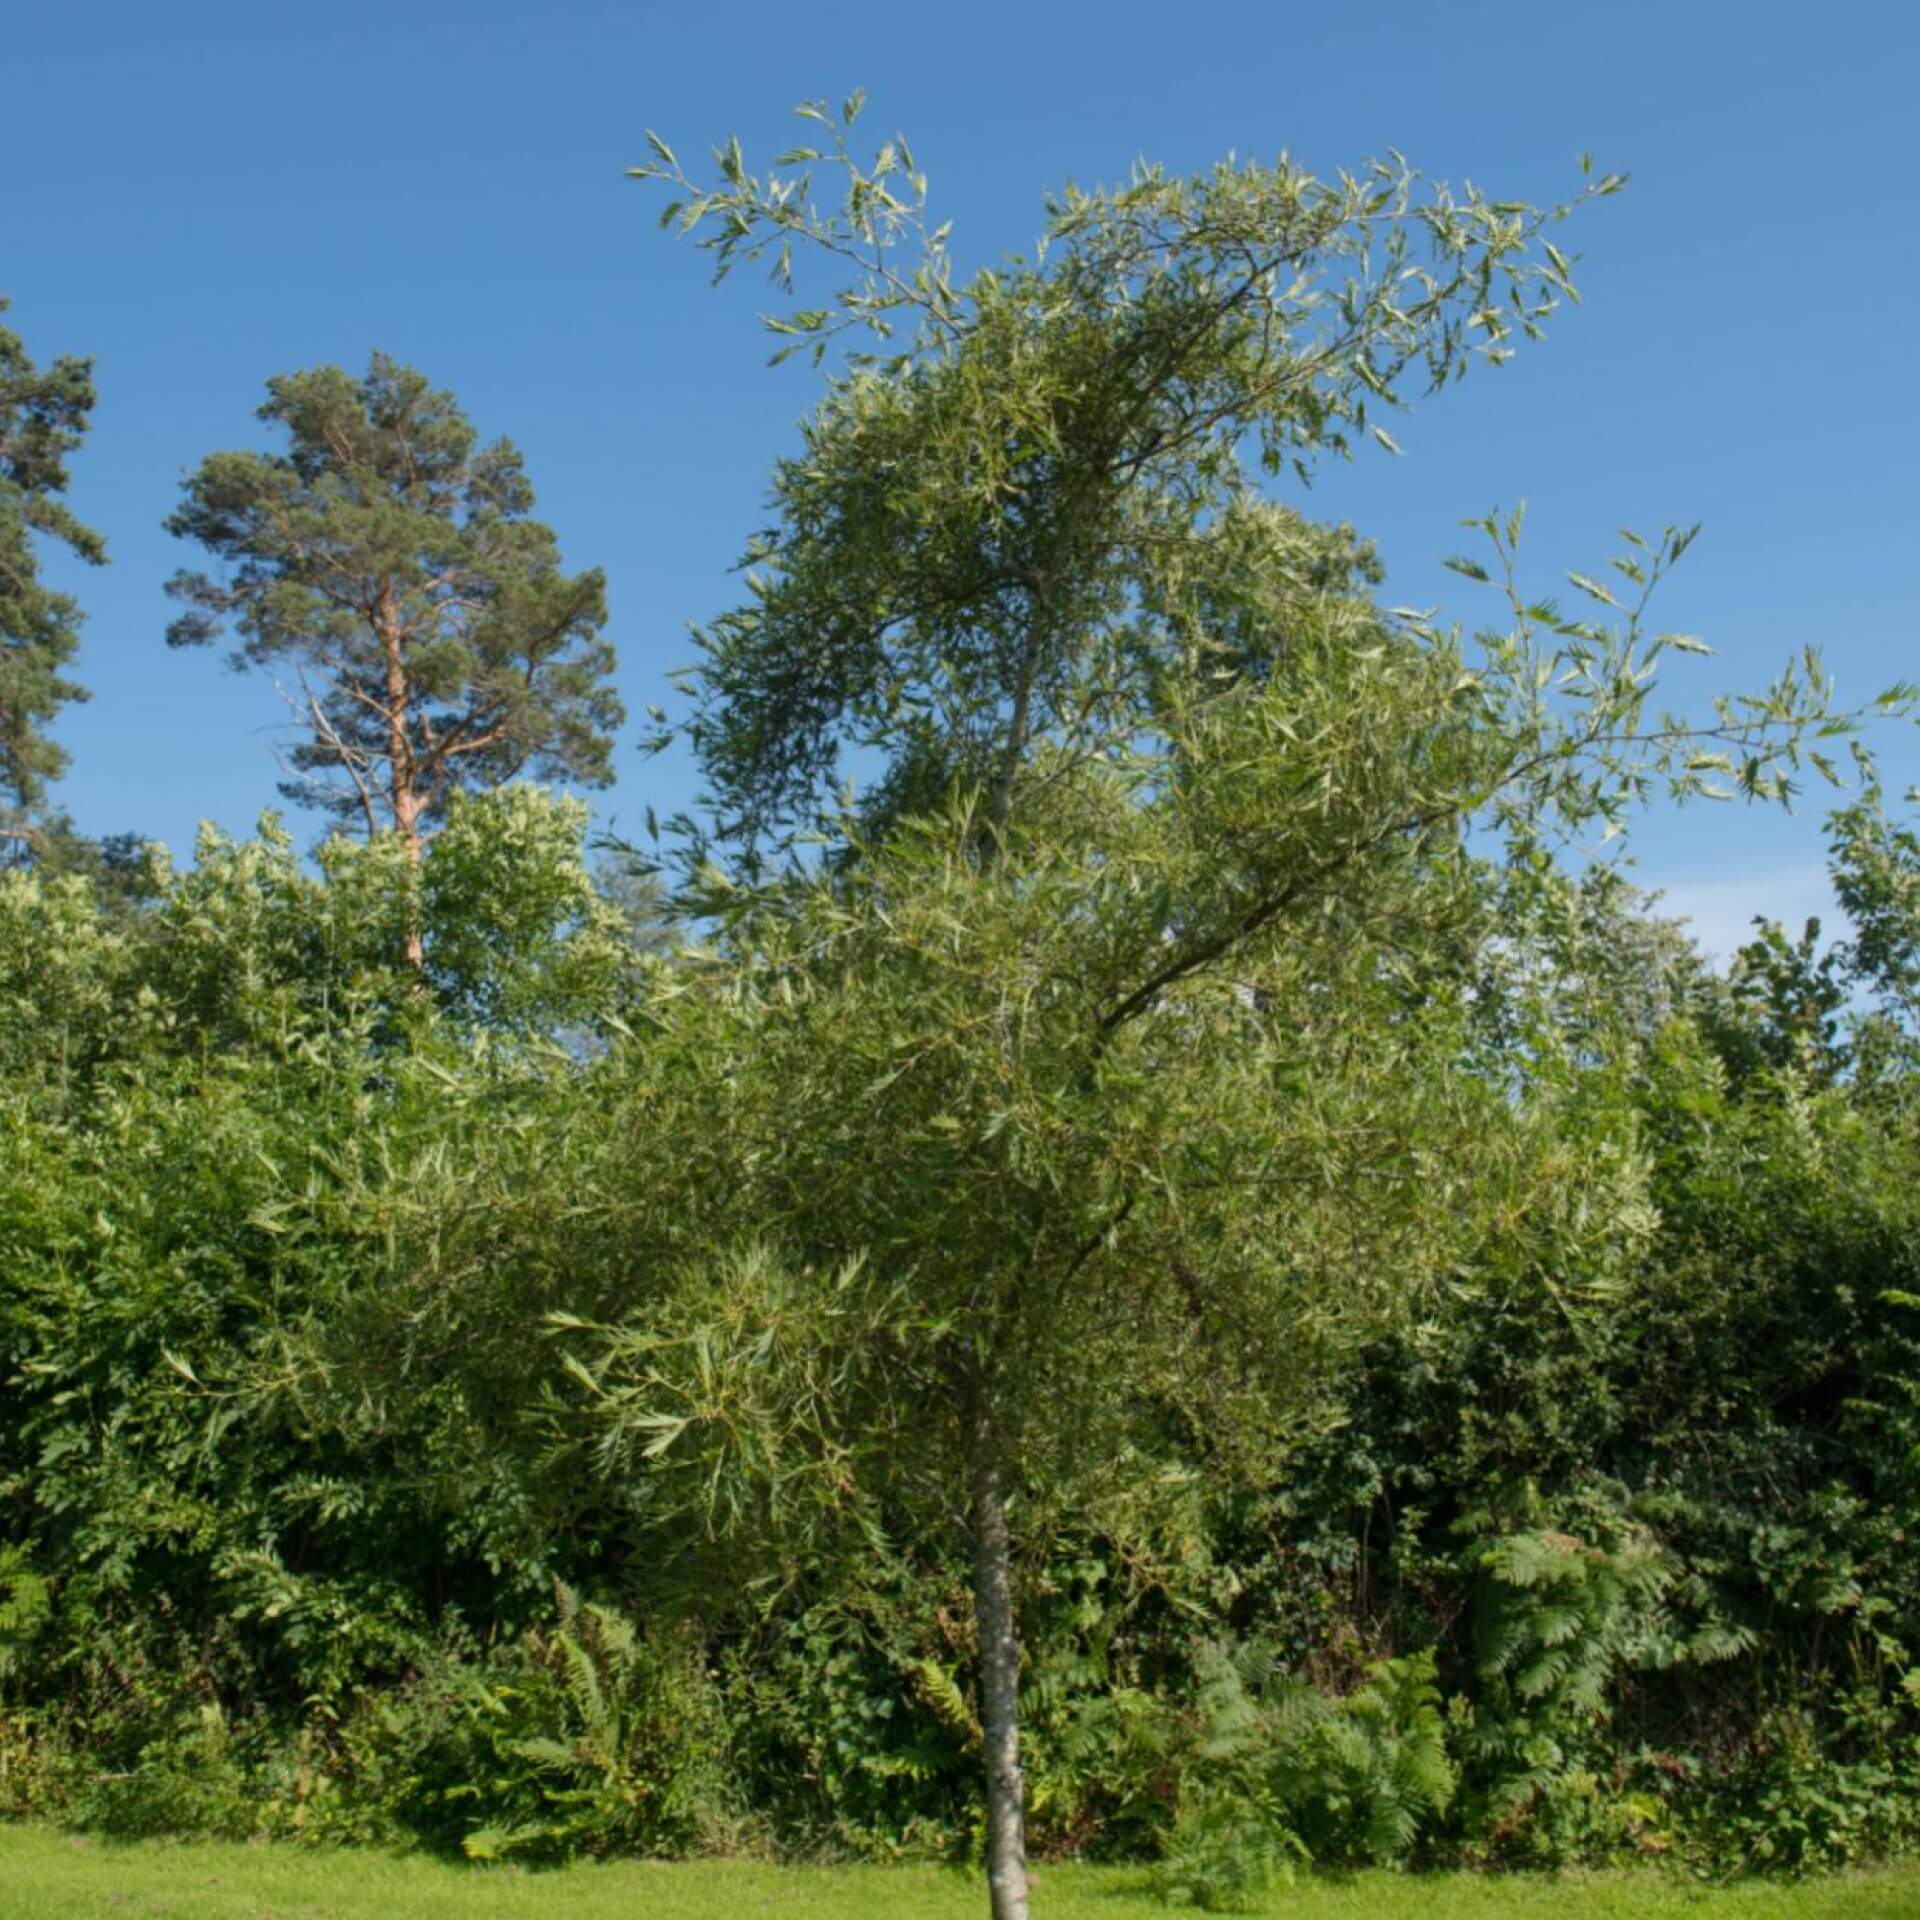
x,y
55,1876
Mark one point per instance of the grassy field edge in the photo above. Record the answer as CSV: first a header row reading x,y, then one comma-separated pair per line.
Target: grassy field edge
x,y
45,1872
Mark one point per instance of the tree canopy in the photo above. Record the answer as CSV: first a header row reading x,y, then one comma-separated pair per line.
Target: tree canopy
x,y
1132,975
43,419
1036,496
390,562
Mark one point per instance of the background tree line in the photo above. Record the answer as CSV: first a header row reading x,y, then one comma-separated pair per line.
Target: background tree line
x,y
1166,1277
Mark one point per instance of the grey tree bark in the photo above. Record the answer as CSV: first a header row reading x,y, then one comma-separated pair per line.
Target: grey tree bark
x,y
999,1670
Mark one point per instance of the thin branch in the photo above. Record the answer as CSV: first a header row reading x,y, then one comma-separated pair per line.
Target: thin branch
x,y
345,754
1258,918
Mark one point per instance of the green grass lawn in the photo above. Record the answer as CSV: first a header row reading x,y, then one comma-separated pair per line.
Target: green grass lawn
x,y
56,1876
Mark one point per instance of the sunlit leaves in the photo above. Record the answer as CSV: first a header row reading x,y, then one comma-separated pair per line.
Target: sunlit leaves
x,y
1000,523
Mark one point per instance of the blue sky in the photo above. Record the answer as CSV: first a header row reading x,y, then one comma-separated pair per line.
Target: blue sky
x,y
201,195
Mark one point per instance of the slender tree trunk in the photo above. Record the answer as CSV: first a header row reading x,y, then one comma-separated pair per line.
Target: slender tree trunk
x,y
406,817
999,1669
993,1618
403,790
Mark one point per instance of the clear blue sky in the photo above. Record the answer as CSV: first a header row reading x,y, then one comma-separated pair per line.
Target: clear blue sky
x,y
203,194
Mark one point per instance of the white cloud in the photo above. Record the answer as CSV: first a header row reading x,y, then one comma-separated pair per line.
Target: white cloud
x,y
1719,908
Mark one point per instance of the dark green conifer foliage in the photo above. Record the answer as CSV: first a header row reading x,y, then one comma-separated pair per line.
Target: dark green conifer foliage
x,y
43,418
389,566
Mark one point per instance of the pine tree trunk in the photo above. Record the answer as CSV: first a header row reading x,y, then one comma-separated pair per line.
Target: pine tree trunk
x,y
999,1671
407,819
403,792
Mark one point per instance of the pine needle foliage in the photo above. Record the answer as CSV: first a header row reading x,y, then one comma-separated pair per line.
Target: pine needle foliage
x,y
44,413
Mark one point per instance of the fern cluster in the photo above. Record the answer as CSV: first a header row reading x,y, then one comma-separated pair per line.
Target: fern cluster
x,y
594,1740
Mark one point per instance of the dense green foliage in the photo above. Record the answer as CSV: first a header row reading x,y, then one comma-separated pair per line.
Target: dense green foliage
x,y
305,1532
43,418
1156,1078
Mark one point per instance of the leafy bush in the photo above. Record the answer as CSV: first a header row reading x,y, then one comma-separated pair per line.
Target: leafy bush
x,y
1596,1559
591,1739
1349,1779
1226,1853
1362,1777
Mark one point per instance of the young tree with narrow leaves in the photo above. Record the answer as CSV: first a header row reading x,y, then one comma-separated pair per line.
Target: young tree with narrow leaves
x,y
1025,497
1112,1073
391,565
44,415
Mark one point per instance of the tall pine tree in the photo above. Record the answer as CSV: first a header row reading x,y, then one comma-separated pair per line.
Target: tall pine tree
x,y
391,563
43,419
